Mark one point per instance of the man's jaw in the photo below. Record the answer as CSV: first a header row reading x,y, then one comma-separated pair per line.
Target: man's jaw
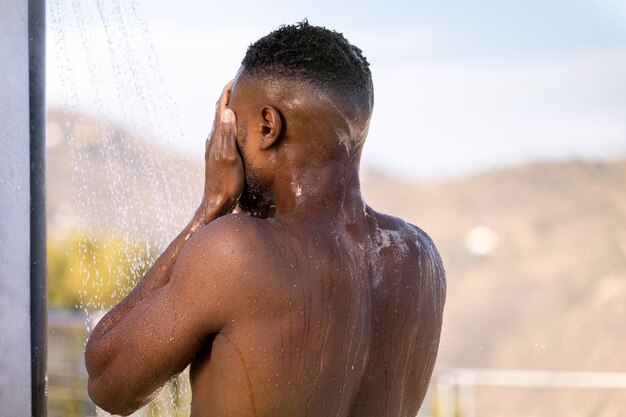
x,y
262,211
256,200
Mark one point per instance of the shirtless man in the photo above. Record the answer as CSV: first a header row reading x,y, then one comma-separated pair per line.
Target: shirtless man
x,y
304,301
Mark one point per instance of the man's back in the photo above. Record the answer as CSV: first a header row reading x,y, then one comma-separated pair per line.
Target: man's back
x,y
340,316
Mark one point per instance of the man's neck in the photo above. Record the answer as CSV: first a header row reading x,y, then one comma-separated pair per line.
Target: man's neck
x,y
334,188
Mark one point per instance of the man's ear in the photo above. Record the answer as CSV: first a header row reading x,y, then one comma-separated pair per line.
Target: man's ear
x,y
270,127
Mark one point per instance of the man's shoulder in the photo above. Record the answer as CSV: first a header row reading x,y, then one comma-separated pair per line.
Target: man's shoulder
x,y
408,230
231,229
411,235
233,245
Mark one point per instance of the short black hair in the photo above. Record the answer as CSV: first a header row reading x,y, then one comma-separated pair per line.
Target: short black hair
x,y
312,54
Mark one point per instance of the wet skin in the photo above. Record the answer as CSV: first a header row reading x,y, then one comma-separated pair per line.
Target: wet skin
x,y
310,303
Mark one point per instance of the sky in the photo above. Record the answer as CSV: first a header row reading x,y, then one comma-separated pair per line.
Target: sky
x,y
460,87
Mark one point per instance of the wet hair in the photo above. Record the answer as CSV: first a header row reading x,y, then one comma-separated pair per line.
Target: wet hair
x,y
314,55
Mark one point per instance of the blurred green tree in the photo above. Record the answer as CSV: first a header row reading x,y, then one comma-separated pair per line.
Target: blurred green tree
x,y
94,272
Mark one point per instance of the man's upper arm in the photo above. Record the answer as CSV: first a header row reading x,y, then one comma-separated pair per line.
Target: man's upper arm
x,y
159,337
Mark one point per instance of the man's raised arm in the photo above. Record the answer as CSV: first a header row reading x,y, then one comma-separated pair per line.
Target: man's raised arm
x,y
124,372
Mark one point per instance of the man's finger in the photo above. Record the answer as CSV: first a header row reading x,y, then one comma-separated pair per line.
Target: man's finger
x,y
229,130
223,101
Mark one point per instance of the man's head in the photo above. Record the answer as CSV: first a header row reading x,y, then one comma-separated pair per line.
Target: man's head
x,y
311,54
303,99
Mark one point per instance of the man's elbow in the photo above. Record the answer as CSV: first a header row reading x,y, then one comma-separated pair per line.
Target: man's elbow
x,y
103,388
106,395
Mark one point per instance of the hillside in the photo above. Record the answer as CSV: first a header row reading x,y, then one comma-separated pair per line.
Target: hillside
x,y
561,247
535,255
552,292
106,179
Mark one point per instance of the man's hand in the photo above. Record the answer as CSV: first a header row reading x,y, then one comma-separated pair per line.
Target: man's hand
x,y
224,175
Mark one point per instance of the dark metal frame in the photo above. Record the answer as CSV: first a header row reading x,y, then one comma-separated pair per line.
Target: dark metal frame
x,y
38,288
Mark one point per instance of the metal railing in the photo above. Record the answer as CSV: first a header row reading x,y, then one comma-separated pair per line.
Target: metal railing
x,y
456,388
